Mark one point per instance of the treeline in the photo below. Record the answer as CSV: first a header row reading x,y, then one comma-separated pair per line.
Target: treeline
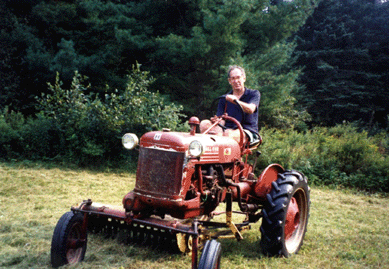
x,y
76,75
327,58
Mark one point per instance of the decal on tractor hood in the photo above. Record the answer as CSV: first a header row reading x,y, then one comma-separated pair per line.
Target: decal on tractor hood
x,y
157,136
227,151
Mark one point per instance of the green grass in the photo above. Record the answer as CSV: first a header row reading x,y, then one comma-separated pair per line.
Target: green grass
x,y
345,230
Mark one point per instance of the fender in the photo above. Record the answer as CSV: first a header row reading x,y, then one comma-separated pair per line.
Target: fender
x,y
265,179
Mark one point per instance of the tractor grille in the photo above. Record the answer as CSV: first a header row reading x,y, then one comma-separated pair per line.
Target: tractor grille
x,y
159,171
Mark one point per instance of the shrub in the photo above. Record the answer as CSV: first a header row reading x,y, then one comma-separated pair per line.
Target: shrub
x,y
88,128
41,139
338,156
10,124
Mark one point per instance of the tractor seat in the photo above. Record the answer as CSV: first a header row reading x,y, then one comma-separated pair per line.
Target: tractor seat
x,y
255,141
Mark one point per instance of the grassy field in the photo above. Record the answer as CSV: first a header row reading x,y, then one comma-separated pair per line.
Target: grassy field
x,y
345,230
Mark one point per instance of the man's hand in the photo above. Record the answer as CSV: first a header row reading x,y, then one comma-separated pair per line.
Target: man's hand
x,y
231,98
215,118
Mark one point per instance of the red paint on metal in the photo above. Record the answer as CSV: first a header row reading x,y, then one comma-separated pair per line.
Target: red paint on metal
x,y
270,174
292,218
245,190
75,243
241,133
193,123
194,252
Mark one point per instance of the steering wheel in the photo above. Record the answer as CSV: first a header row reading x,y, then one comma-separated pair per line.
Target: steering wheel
x,y
229,118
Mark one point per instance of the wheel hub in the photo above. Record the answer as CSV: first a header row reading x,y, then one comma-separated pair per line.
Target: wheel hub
x,y
292,218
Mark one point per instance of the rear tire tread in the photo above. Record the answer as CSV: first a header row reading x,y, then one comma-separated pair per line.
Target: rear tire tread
x,y
273,240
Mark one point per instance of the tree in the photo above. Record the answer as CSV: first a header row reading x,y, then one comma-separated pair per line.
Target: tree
x,y
344,49
9,80
269,56
192,63
186,45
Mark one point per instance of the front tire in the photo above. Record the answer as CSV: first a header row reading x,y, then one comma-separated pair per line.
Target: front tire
x,y
211,256
69,242
285,215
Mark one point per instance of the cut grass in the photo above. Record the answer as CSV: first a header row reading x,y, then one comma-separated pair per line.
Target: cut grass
x,y
345,230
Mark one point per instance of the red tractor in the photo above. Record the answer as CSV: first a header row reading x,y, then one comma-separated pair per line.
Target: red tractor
x,y
181,178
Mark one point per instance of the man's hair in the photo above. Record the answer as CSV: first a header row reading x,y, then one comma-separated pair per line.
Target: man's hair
x,y
232,67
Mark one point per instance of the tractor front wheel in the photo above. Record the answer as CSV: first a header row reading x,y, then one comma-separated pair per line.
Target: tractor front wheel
x,y
69,241
211,256
285,215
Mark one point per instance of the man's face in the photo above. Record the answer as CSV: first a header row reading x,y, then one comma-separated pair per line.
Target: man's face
x,y
237,79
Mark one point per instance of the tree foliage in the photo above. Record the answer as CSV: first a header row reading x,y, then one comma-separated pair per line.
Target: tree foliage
x,y
344,48
186,45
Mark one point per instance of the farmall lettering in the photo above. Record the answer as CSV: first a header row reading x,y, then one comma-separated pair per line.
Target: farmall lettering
x,y
211,149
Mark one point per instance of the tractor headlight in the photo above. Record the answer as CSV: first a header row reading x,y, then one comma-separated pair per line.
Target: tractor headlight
x,y
195,148
130,141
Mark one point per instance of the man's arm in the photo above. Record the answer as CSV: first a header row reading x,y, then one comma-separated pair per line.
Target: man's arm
x,y
247,108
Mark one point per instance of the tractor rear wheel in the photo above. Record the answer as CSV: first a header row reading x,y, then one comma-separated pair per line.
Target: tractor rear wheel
x,y
211,256
285,215
68,244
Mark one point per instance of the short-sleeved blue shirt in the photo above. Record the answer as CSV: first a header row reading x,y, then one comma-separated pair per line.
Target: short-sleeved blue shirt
x,y
249,121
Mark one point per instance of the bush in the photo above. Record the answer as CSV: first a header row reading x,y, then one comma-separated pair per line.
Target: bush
x,y
338,156
91,127
41,139
10,124
82,128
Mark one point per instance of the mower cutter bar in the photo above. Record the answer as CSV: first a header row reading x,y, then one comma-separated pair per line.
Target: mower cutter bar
x,y
172,226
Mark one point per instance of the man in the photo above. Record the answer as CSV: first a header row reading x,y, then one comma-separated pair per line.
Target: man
x,y
246,98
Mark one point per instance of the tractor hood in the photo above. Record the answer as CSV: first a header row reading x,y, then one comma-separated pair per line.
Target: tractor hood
x,y
216,149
